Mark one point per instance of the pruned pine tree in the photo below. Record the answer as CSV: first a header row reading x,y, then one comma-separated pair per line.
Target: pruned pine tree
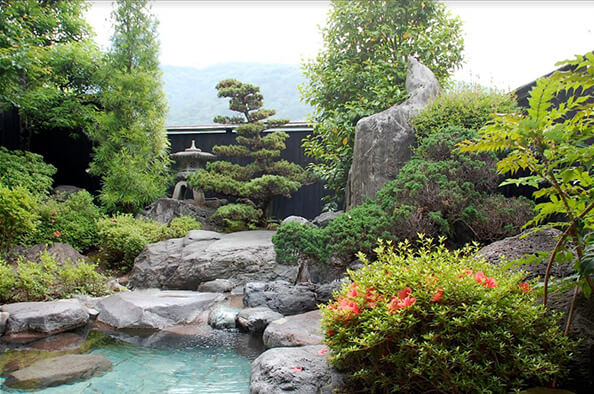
x,y
256,183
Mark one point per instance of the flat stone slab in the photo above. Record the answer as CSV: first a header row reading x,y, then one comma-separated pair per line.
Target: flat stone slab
x,y
205,256
255,320
297,330
153,308
57,371
295,369
44,317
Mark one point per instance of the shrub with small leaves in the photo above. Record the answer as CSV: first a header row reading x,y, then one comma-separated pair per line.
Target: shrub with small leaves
x,y
180,226
26,169
49,279
295,241
18,216
237,217
435,320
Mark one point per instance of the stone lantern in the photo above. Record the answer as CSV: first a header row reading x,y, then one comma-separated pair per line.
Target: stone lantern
x,y
188,161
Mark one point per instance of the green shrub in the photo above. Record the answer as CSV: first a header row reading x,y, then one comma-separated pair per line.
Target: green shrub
x,y
122,237
434,320
180,226
49,279
470,107
26,169
237,217
72,221
18,217
294,241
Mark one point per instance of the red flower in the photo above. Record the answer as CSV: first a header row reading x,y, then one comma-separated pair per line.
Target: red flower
x,y
480,277
525,287
404,292
54,212
484,280
330,332
397,303
437,296
352,291
57,233
490,282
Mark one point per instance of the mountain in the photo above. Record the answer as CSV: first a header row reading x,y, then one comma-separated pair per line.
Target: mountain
x,y
193,98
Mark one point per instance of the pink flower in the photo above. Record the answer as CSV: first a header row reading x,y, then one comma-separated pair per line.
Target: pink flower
x,y
407,301
404,292
323,351
397,303
490,282
297,369
438,295
352,291
480,277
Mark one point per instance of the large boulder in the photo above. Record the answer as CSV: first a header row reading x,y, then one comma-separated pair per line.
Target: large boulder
x,y
255,320
324,218
302,370
298,330
164,210
3,320
383,141
204,256
61,252
281,296
57,371
223,316
153,308
295,219
44,317
512,248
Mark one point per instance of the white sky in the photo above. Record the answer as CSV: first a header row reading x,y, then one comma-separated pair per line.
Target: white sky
x,y
507,43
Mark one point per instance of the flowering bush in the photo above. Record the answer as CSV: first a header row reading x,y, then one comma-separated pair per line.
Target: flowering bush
x,y
440,320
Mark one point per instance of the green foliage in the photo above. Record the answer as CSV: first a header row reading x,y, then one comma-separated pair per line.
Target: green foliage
x,y
470,107
131,155
49,279
554,144
294,241
26,169
71,221
237,217
435,320
47,65
122,237
362,70
18,216
264,176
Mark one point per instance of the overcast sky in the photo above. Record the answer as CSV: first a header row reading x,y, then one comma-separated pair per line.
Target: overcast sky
x,y
507,43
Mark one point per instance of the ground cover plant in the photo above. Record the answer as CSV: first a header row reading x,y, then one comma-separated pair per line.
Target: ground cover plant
x,y
553,143
48,280
255,183
433,320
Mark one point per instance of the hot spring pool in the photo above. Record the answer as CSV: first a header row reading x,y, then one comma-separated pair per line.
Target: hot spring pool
x,y
166,363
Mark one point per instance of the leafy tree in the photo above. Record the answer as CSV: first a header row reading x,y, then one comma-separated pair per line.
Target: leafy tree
x,y
264,177
47,65
362,70
131,155
554,144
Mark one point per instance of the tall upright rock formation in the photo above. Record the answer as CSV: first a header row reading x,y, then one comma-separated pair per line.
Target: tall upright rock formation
x,y
383,141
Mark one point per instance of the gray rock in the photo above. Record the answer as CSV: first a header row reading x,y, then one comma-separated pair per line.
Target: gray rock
x,y
255,320
298,330
281,296
153,308
3,319
512,248
57,371
44,317
61,252
164,210
203,256
297,370
325,291
217,286
382,141
222,316
324,218
295,219
62,192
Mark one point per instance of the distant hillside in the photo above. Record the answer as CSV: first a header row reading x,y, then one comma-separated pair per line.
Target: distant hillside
x,y
193,98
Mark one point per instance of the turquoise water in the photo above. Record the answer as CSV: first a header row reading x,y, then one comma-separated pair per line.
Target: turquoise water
x,y
170,365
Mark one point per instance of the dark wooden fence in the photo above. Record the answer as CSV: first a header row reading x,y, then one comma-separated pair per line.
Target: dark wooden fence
x,y
70,152
306,202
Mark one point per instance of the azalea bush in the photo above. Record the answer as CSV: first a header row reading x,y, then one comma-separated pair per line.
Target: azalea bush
x,y
435,320
18,216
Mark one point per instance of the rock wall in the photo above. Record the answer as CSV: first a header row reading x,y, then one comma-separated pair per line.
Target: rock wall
x,y
383,140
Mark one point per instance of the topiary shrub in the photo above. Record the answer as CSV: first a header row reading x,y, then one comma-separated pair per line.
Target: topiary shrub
x,y
122,237
435,320
26,169
294,242
237,217
470,107
72,221
18,215
32,281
